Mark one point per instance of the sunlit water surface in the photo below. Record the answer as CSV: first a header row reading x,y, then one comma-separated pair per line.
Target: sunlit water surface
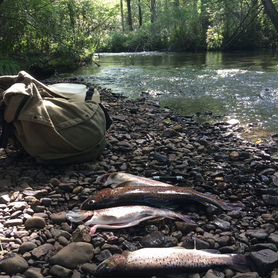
x,y
242,86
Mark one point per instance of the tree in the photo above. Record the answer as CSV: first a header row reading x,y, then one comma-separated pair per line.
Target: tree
x,y
129,15
153,11
122,15
140,18
271,11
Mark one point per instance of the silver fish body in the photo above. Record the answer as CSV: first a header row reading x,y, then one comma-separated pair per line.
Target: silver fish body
x,y
122,217
169,260
119,178
127,216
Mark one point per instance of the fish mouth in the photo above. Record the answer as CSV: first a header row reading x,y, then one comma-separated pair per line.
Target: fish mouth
x,y
87,204
110,265
103,178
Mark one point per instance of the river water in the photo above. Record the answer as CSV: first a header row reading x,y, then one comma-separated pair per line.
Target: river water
x,y
241,86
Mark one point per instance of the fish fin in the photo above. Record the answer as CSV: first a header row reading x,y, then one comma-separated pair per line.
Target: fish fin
x,y
241,263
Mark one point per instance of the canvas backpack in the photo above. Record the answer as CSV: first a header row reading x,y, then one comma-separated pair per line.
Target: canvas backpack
x,y
49,126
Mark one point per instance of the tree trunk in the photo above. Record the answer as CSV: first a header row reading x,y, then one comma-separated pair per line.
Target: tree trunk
x,y
271,12
153,11
140,13
122,15
129,15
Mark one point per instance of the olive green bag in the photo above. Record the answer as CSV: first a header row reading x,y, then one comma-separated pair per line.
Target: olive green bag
x,y
49,126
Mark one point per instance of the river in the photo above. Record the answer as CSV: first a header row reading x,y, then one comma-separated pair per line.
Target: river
x,y
240,86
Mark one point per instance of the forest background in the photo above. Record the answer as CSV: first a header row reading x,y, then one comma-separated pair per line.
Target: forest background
x,y
60,35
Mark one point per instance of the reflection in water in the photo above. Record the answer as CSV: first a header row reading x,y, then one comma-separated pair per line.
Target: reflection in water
x,y
239,85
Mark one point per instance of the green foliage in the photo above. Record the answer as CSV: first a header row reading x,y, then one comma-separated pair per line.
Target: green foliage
x,y
8,66
65,32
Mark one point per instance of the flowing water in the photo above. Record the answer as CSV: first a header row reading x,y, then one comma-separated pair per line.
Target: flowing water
x,y
241,86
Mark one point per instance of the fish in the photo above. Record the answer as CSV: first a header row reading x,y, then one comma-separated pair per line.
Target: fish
x,y
119,178
128,216
156,196
168,260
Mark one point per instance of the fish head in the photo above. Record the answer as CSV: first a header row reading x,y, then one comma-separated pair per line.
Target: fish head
x,y
111,265
103,178
78,215
98,200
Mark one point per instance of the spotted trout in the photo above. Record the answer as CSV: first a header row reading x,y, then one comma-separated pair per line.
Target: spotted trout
x,y
170,260
119,178
122,217
157,196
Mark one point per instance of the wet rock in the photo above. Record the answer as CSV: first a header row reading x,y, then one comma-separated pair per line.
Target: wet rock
x,y
13,264
73,254
35,222
60,271
265,260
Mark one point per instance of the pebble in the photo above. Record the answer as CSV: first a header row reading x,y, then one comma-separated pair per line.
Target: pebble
x,y
13,264
60,271
73,255
265,260
33,272
35,222
211,157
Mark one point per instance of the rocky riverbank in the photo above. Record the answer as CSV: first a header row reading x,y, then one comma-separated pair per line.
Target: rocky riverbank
x,y
146,140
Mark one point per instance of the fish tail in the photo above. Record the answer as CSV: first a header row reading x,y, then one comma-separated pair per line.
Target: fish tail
x,y
241,263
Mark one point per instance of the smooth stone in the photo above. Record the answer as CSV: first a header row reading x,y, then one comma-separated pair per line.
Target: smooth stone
x,y
214,274
59,217
89,268
13,222
60,271
26,247
258,234
261,246
273,237
74,254
42,250
13,264
154,239
222,224
33,272
265,260
5,199
76,274
274,273
35,222
247,275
